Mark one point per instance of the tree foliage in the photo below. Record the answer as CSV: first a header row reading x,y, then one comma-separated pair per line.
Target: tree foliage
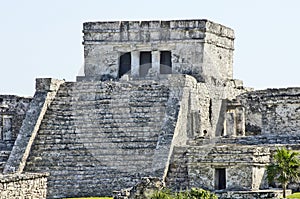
x,y
284,168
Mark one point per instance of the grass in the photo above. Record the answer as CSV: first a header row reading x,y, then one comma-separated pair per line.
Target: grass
x,y
294,195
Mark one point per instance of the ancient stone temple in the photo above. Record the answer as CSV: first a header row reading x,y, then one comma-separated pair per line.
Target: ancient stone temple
x,y
157,99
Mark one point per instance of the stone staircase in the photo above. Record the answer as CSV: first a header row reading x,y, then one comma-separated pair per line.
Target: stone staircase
x,y
3,158
103,134
177,176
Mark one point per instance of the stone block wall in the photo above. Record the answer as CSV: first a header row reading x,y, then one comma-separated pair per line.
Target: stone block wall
x,y
23,186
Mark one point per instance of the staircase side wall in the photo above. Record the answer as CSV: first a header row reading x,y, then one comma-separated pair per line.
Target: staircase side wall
x,y
45,92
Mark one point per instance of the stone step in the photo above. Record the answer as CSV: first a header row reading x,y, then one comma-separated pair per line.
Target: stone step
x,y
106,130
107,91
89,96
123,137
94,149
110,131
92,115
118,161
145,104
100,145
121,166
113,86
98,140
96,108
132,121
92,179
105,126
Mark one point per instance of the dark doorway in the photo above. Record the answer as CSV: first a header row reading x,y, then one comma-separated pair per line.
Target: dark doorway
x,y
125,64
145,63
220,179
165,62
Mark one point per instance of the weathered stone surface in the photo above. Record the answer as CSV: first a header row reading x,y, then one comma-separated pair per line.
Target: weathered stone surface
x,y
22,186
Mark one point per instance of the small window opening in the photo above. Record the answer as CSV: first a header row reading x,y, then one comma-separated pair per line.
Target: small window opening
x,y
223,132
145,63
210,111
125,64
165,62
220,178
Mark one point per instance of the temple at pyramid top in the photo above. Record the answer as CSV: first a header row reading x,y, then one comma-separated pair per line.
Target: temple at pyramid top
x,y
116,50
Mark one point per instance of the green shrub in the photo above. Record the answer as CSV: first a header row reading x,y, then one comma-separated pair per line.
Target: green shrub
x,y
201,193
194,193
163,194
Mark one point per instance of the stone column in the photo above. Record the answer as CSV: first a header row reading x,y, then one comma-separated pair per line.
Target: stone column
x,y
156,61
230,123
240,123
135,63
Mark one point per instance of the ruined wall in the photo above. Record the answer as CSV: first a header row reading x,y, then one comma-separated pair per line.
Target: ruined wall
x,y
12,113
199,47
272,111
27,185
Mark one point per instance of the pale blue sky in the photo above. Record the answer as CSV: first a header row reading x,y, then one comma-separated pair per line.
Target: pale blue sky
x,y
43,38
